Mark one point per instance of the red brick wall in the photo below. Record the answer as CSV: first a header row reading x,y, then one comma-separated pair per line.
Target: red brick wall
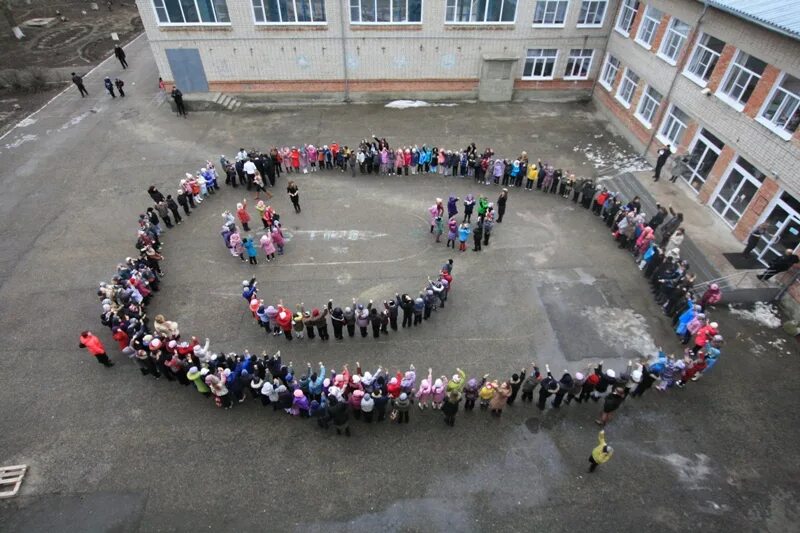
x,y
659,36
717,171
722,66
765,194
637,19
625,116
761,92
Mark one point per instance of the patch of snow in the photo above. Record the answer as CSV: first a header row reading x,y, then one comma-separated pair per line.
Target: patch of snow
x,y
21,140
407,104
763,313
25,122
622,328
611,158
691,472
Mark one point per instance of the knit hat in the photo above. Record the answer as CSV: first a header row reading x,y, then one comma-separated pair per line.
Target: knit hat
x,y
579,376
289,378
315,312
298,393
403,396
714,325
155,344
356,379
610,373
204,371
393,381
326,382
245,283
456,378
636,375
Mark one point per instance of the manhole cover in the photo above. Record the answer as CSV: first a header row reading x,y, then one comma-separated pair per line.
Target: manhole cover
x,y
62,37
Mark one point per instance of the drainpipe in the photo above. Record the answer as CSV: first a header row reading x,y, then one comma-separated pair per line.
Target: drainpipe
x,y
342,28
678,68
605,47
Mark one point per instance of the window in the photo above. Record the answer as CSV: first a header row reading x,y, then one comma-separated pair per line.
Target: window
x,y
736,192
480,11
627,87
673,126
192,11
627,13
671,45
592,12
578,64
648,27
288,11
385,11
539,64
704,59
609,72
648,105
743,75
550,12
781,112
701,159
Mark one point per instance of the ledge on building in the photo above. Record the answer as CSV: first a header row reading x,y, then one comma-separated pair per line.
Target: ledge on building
x,y
320,26
196,27
455,26
385,27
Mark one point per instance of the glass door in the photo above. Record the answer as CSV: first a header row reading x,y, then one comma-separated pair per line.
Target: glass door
x,y
702,157
737,191
783,231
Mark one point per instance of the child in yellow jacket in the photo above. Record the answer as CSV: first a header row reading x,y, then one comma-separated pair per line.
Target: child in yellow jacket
x,y
601,453
487,393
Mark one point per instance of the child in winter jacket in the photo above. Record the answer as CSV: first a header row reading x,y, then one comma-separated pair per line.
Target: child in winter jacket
x,y
530,382
463,234
471,392
486,393
424,392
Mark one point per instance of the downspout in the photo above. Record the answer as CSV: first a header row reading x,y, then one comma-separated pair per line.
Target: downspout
x,y
605,47
344,53
678,68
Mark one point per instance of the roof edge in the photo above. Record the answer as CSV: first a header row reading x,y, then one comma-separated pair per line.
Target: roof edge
x,y
752,18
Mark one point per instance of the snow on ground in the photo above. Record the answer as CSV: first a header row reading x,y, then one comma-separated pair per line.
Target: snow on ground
x,y
622,328
406,104
764,314
612,159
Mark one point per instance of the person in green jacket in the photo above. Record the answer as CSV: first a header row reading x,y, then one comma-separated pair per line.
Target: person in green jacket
x,y
198,378
457,383
601,453
483,206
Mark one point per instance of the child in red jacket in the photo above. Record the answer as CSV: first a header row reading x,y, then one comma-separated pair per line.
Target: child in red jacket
x,y
95,347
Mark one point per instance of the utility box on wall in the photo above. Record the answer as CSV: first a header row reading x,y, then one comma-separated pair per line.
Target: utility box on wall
x,y
497,82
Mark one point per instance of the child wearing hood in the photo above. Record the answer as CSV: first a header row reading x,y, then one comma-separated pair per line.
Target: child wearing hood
x,y
362,316
381,400
452,232
250,246
236,247
267,245
457,383
515,384
469,205
435,211
500,399
300,404
424,392
409,381
463,234
439,223
452,206
471,392
486,392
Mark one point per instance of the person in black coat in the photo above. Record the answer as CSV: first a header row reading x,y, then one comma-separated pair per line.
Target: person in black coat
x,y
663,156
450,408
501,205
391,308
183,200
174,208
120,54
406,303
339,415
155,194
477,235
779,264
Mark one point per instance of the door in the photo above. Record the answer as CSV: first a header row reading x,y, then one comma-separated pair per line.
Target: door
x,y
783,231
737,191
704,154
187,70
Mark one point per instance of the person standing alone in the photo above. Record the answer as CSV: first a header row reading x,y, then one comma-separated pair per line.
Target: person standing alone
x,y
78,81
755,237
601,453
120,53
663,155
177,95
95,347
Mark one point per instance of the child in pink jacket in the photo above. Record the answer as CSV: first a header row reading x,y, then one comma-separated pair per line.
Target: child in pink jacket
x,y
438,392
424,392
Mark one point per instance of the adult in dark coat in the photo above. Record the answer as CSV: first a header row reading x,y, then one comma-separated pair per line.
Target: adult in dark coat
x,y
501,205
120,53
779,264
155,194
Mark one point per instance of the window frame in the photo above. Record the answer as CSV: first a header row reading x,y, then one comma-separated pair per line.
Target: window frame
x,y
391,9
484,22
286,23
542,56
725,97
624,8
642,26
582,59
665,40
618,95
660,134
607,61
580,24
200,23
550,24
781,132
695,49
648,122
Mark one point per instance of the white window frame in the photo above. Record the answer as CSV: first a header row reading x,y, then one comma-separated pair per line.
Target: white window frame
x,y
668,116
645,100
286,22
653,25
736,104
784,134
454,3
544,57
555,13
734,165
699,47
667,41
166,12
607,65
627,7
391,10
596,4
579,60
623,84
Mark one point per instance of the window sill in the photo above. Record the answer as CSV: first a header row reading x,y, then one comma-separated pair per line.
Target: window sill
x,y
195,27
645,123
589,25
663,140
373,24
293,24
626,105
543,25
478,24
575,78
694,79
607,87
730,101
643,44
624,33
667,59
536,78
780,132
394,26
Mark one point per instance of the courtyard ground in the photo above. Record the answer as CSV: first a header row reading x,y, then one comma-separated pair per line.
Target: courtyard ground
x,y
111,450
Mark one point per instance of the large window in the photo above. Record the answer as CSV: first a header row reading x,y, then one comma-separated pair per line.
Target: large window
x,y
540,63
649,27
671,45
627,14
609,72
288,11
673,126
781,112
742,78
480,11
592,13
578,64
704,58
192,11
550,12
627,87
648,105
736,192
385,11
